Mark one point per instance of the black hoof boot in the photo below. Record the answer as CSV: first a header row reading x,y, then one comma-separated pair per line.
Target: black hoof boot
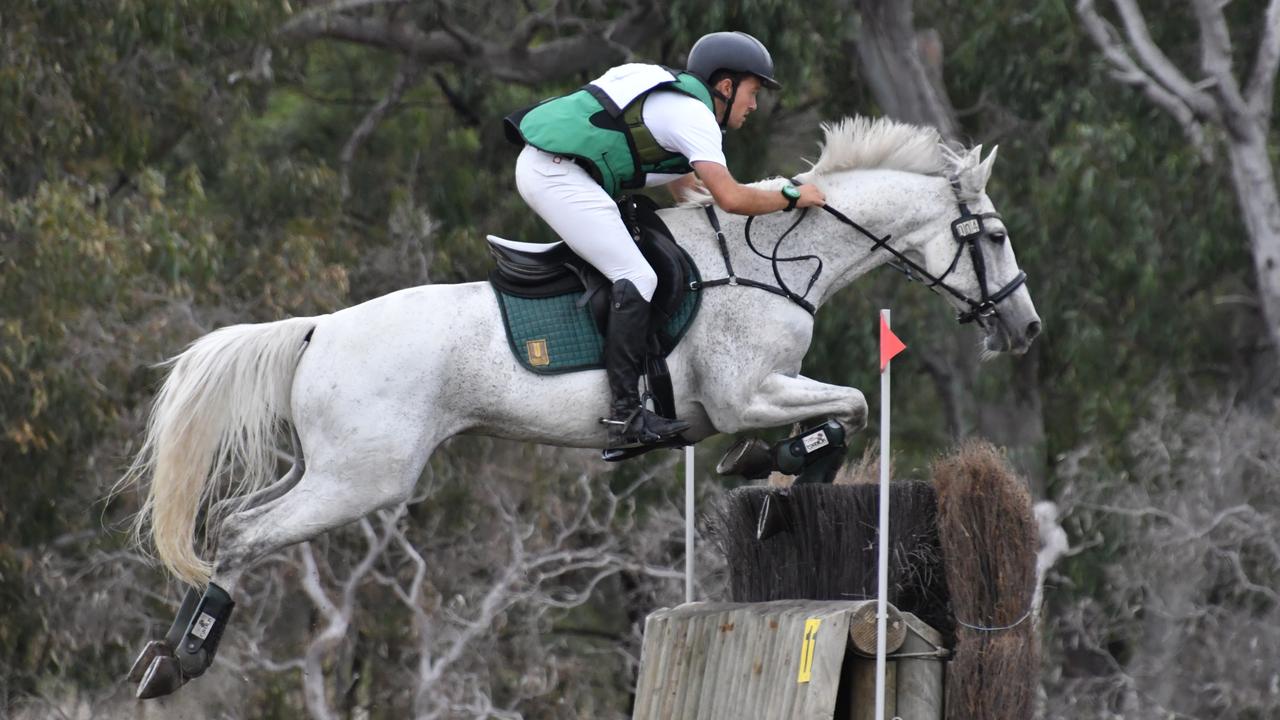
x,y
162,677
200,641
189,646
813,456
157,648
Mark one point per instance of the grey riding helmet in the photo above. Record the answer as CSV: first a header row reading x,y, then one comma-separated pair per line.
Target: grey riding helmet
x,y
735,51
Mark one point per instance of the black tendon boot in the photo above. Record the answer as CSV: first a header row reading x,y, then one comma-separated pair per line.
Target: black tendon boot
x,y
192,648
625,343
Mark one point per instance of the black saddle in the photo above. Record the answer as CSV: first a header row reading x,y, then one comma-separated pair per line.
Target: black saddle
x,y
539,270
546,270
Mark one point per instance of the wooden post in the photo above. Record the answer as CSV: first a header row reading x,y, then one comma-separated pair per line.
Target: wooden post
x,y
919,679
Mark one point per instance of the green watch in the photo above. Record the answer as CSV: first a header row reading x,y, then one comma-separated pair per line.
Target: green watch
x,y
792,194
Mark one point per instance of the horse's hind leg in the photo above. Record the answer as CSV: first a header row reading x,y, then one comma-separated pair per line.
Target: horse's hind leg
x,y
272,491
157,664
320,502
329,494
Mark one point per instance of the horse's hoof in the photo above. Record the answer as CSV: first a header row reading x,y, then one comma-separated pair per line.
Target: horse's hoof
x,y
150,652
161,678
193,664
751,458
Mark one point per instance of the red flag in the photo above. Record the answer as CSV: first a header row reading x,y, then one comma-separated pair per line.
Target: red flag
x,y
890,345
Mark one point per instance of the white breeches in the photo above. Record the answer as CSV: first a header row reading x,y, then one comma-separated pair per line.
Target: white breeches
x,y
583,215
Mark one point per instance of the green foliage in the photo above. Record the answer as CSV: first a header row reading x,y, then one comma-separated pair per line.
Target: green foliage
x,y
89,268
1129,237
101,89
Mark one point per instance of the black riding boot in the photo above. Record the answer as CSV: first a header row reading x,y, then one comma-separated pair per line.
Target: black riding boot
x,y
626,341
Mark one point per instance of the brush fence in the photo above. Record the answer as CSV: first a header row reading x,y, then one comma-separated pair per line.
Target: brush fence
x,y
800,659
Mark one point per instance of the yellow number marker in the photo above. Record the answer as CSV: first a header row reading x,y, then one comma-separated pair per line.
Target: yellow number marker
x,y
806,650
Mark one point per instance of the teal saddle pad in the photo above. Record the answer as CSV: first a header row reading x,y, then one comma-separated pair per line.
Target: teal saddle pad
x,y
558,334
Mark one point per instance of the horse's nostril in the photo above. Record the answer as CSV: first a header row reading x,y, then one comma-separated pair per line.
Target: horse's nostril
x,y
1033,329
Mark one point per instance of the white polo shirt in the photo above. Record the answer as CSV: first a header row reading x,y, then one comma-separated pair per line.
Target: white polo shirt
x,y
682,124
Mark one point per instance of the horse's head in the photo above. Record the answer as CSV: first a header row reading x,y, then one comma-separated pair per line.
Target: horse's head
x,y
967,249
931,217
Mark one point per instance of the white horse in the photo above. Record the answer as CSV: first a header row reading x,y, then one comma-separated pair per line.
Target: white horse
x,y
371,391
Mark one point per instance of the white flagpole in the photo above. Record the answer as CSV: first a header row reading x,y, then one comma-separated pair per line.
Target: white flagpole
x,y
688,523
882,610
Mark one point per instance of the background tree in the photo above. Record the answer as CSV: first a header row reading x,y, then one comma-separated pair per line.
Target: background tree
x,y
1238,116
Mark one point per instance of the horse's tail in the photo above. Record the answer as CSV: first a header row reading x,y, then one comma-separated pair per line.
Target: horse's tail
x,y
218,412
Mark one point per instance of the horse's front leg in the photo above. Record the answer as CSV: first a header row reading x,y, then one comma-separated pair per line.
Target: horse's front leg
x,y
782,400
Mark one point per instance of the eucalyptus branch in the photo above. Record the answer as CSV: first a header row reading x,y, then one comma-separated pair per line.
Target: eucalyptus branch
x,y
1215,58
332,10
513,58
1160,67
1262,81
405,77
1127,71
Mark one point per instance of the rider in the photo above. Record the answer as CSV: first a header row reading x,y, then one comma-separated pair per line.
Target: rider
x,y
636,126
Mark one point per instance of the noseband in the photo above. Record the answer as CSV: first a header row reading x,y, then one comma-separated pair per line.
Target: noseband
x,y
968,230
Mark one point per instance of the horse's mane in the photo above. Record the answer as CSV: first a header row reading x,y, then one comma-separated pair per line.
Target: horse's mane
x,y
863,143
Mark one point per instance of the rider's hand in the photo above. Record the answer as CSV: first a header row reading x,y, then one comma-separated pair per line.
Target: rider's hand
x,y
810,196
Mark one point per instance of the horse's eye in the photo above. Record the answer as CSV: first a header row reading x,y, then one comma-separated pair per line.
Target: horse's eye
x,y
998,237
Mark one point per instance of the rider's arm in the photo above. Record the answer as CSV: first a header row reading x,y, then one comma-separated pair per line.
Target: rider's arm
x,y
740,199
680,187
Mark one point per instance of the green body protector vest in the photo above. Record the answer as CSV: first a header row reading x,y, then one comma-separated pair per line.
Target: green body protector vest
x,y
612,144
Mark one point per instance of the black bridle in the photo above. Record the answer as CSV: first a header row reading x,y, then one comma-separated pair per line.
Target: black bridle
x,y
968,230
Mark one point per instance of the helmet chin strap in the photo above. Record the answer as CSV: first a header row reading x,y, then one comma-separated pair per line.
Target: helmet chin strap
x,y
728,103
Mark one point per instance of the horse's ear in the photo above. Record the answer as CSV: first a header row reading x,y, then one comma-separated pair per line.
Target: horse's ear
x,y
983,172
970,171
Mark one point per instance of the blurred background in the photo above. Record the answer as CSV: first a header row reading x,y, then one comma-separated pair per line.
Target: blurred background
x,y
167,168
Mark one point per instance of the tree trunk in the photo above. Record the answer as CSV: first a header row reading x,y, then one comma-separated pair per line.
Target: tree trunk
x,y
893,64
904,69
1255,186
1015,421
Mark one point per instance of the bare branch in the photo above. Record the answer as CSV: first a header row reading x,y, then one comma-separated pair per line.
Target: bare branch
x,y
1158,64
530,25
405,77
470,43
1127,71
335,9
1262,81
1245,581
337,616
404,38
596,44
1215,57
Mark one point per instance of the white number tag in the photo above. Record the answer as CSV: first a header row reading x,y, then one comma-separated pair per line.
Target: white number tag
x,y
203,625
815,441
